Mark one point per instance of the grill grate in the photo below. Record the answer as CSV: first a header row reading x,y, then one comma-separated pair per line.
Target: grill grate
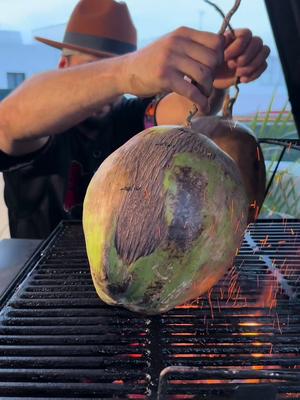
x,y
58,340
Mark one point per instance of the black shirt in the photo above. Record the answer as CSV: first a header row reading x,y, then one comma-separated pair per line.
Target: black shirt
x,y
49,185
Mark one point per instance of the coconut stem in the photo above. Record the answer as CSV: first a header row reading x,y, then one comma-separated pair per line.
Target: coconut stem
x,y
226,23
222,14
229,16
230,101
192,112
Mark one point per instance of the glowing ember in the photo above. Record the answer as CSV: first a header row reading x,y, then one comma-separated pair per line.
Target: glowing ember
x,y
199,355
186,355
135,355
250,324
264,241
183,334
217,381
199,382
253,334
259,355
265,367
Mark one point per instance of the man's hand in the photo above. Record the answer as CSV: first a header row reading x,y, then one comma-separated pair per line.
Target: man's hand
x,y
163,65
244,57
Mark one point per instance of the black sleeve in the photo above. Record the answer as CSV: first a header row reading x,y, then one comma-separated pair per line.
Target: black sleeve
x,y
10,163
129,117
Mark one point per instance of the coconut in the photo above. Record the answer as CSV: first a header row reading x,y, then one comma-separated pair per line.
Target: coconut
x,y
240,143
163,218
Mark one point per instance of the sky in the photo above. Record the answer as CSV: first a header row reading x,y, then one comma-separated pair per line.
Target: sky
x,y
152,18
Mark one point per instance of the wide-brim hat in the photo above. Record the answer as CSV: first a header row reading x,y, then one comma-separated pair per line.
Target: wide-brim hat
x,y
98,27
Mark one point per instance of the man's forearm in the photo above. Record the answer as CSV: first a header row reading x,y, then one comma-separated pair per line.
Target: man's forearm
x,y
52,102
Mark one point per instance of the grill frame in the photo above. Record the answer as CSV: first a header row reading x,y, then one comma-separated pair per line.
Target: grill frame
x,y
156,328
32,261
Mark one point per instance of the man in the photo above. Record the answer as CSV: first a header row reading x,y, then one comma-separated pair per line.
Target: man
x,y
57,128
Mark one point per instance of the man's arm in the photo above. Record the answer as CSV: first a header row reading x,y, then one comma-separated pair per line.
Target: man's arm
x,y
52,102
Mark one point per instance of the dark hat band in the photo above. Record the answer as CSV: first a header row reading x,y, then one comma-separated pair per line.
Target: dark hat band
x,y
98,43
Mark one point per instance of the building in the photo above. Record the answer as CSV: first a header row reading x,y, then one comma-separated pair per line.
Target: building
x,y
19,61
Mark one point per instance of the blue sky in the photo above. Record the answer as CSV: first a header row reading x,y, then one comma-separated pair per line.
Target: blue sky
x,y
152,18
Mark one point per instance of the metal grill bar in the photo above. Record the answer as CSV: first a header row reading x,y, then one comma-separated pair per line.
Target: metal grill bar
x,y
223,382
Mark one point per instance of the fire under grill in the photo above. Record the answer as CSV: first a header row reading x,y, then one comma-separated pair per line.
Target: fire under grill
x,y
58,340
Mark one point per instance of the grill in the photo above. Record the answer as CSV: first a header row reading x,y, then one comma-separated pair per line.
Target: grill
x,y
58,340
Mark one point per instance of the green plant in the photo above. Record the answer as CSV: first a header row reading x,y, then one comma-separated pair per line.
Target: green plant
x,y
282,200
273,125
